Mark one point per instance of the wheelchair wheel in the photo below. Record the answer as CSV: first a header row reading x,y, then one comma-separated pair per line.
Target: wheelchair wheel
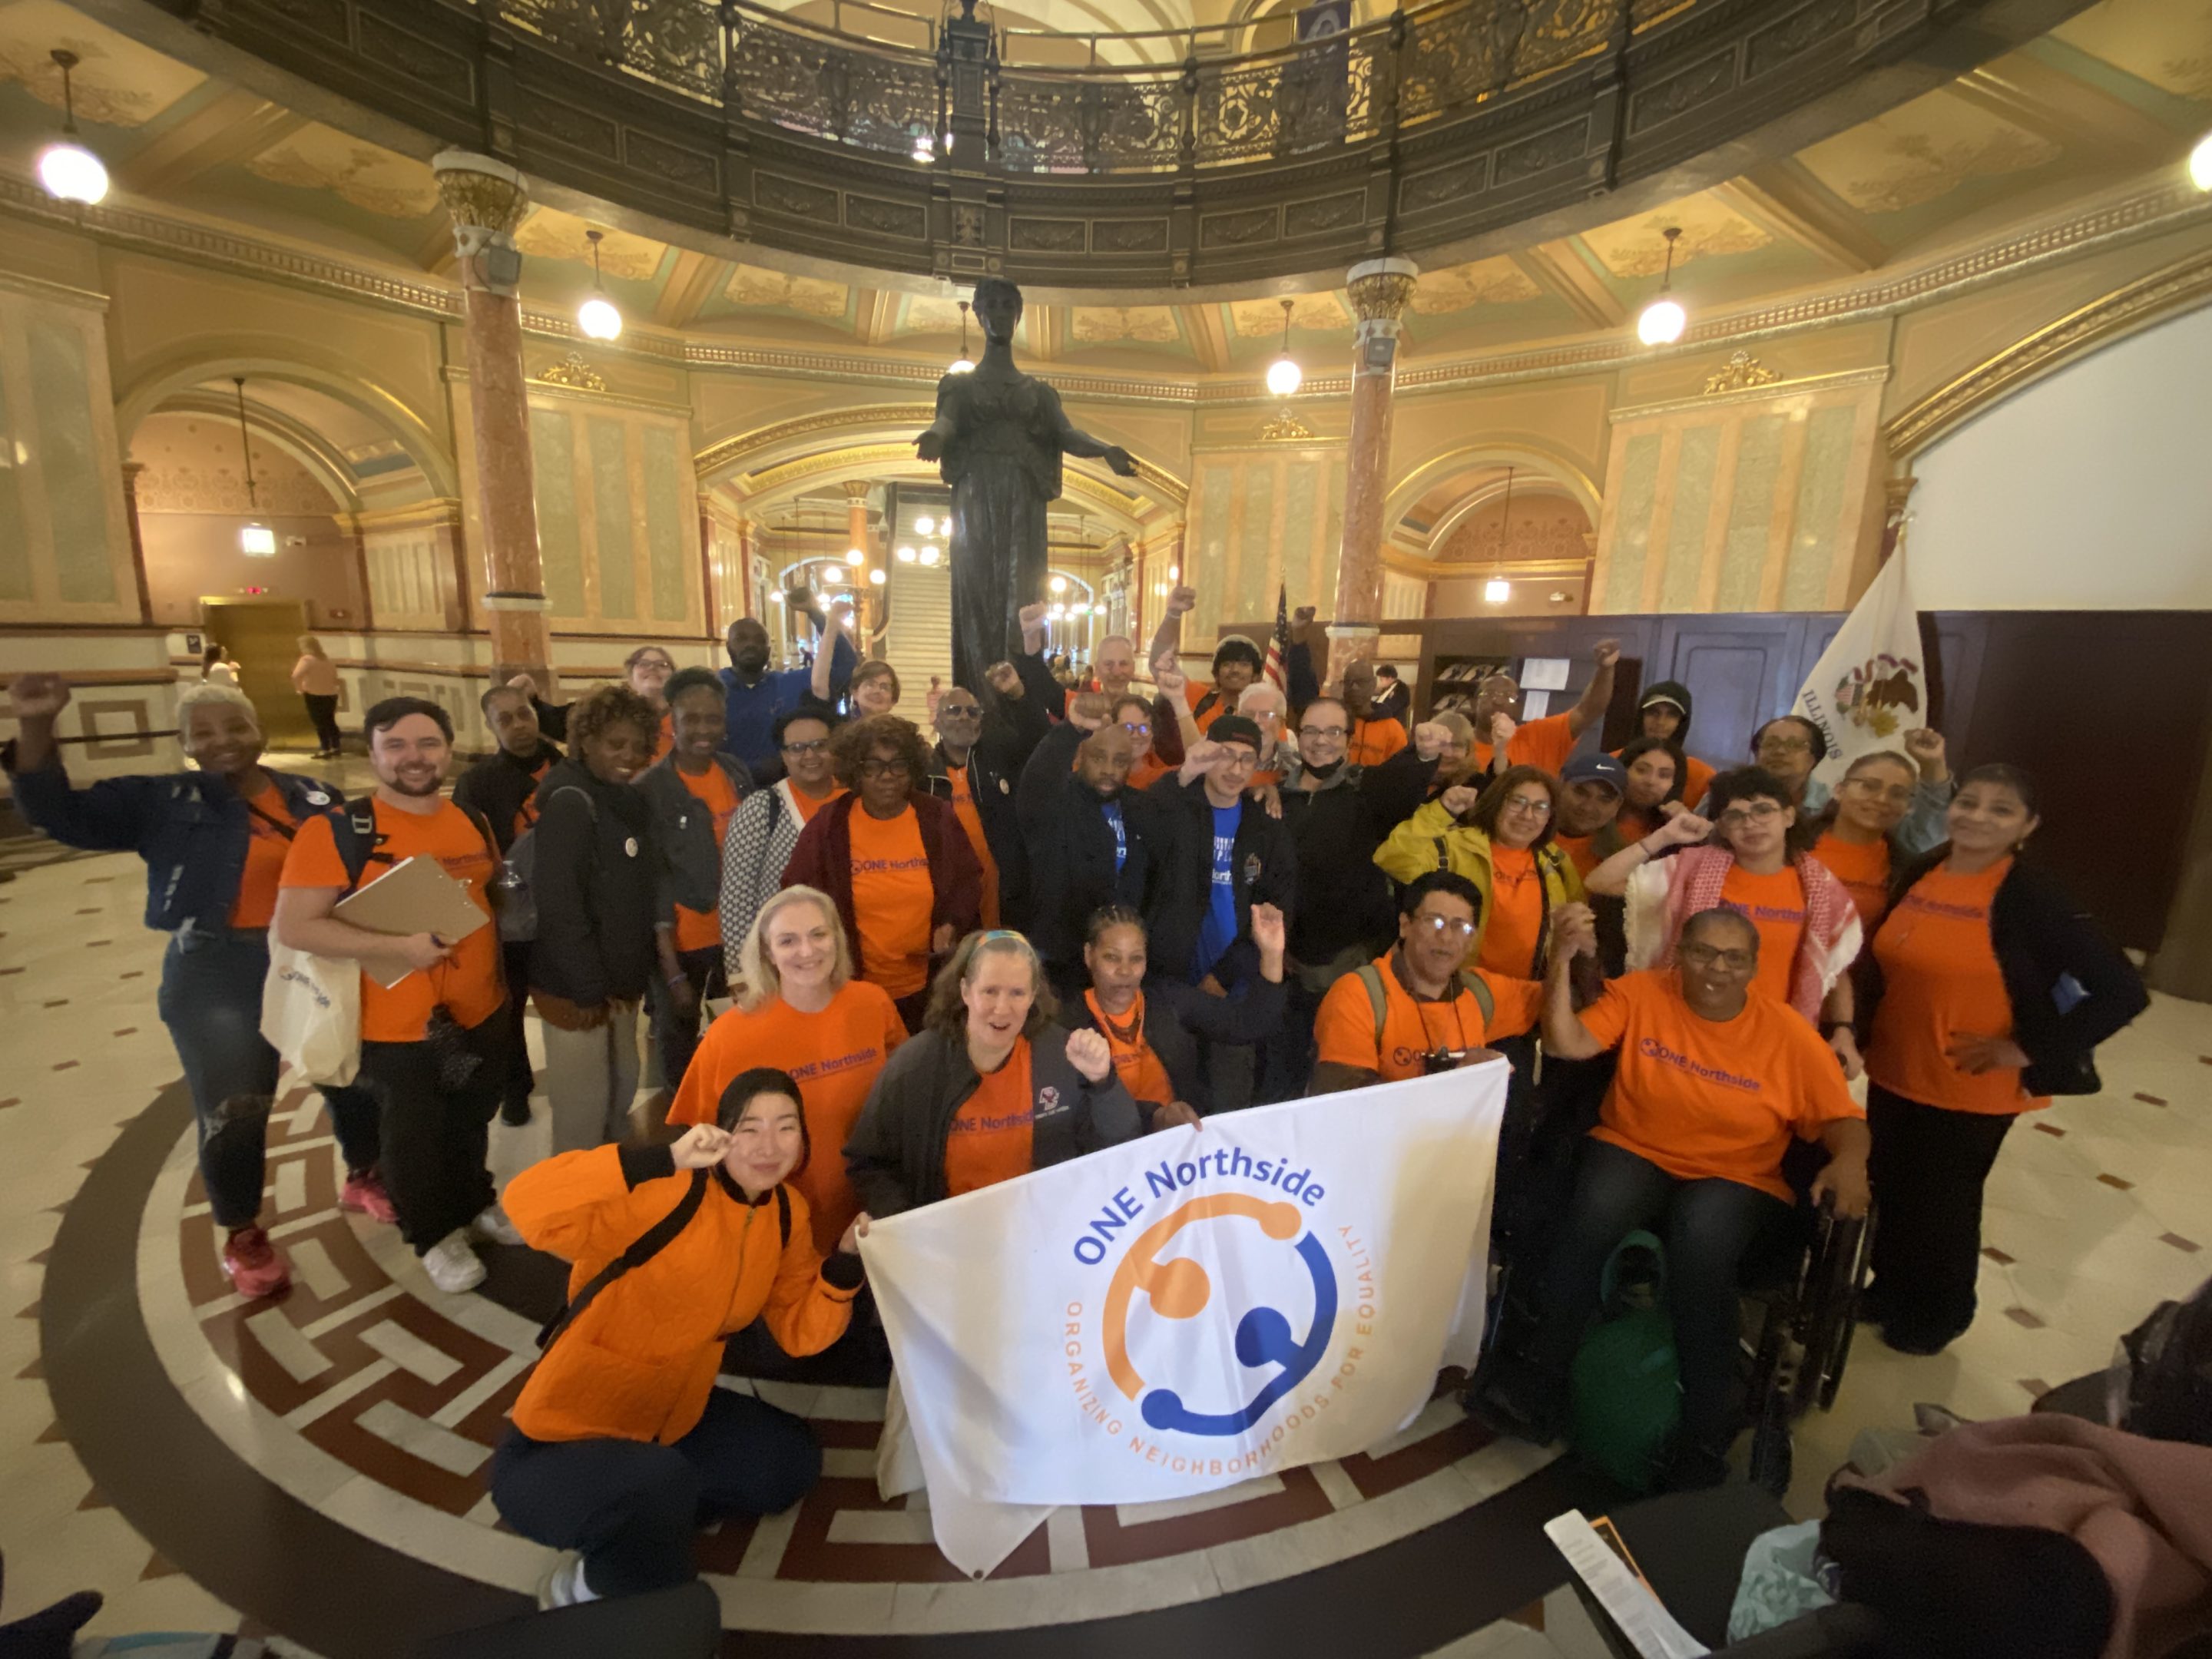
x,y
1826,1313
1771,1452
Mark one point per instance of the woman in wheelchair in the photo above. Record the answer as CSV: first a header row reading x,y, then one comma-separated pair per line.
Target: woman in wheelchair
x,y
1715,1078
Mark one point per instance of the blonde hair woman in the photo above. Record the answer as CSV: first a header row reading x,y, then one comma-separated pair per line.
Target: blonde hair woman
x,y
801,1009
315,677
989,1089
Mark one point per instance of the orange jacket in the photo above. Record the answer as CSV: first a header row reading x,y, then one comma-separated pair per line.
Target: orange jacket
x,y
638,1364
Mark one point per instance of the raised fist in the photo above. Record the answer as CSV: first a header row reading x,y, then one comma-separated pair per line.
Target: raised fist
x,y
1087,1052
1030,616
1430,740
1088,712
704,1146
38,696
1925,745
1002,679
1608,653
1170,680
1182,601
1459,799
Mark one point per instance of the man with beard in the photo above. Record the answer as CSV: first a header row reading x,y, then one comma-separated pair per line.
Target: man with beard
x,y
1091,842
754,696
433,1046
501,788
1374,736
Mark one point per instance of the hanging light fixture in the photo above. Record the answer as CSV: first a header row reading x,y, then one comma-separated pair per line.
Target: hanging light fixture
x,y
924,525
1283,375
960,365
597,316
70,172
877,576
1498,590
1664,319
255,539
929,553
2200,163
905,555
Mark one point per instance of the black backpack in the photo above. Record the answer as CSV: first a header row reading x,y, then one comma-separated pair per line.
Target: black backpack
x,y
2160,1383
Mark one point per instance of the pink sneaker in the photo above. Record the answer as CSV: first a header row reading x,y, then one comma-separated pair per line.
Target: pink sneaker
x,y
251,1262
364,1192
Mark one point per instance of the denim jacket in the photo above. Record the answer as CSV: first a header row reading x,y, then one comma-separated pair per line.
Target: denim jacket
x,y
191,828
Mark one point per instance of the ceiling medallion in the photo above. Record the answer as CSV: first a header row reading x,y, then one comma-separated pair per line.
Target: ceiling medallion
x,y
572,371
1741,371
1286,428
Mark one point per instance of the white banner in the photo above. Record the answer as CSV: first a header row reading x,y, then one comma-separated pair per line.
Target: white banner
x,y
1870,686
1193,1309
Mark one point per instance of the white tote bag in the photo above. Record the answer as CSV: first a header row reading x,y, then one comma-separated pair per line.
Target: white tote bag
x,y
310,1014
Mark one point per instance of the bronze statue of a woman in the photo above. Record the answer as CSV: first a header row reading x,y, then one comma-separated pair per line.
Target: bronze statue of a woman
x,y
998,439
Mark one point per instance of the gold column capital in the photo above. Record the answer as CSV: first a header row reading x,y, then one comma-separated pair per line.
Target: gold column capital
x,y
856,489
486,199
1380,290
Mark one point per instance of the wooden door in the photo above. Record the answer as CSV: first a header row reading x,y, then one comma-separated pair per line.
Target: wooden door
x,y
1741,670
264,635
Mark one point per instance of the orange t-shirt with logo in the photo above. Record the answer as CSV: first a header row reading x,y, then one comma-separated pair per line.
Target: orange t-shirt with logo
x,y
702,930
1864,868
467,983
992,1134
1374,741
833,1056
1344,1027
963,807
1708,1099
1776,906
808,804
1139,1067
1515,926
1545,742
1941,981
265,853
1578,851
892,898
526,814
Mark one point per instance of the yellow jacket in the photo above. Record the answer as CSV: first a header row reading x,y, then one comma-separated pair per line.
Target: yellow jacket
x,y
1432,839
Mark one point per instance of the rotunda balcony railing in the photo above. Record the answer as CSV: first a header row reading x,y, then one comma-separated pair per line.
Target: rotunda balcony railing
x,y
1173,159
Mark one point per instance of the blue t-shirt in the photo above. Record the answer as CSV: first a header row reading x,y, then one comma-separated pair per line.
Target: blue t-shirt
x,y
1218,930
1112,809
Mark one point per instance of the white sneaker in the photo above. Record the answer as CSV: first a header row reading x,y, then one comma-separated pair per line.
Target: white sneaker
x,y
564,1584
452,1265
493,1224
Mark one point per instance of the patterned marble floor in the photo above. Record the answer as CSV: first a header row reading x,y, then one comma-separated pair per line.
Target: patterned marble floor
x,y
2097,1210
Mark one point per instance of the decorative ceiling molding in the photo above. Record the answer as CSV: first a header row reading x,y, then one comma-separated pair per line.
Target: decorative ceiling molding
x,y
728,454
1753,391
2126,310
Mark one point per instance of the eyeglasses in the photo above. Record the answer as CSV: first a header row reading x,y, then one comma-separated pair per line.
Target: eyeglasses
x,y
1784,746
958,711
1756,811
1235,756
1533,807
883,769
1324,731
1897,794
1445,927
1138,728
813,746
1708,957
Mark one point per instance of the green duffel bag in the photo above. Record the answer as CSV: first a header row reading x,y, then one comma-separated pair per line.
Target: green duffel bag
x,y
1624,1388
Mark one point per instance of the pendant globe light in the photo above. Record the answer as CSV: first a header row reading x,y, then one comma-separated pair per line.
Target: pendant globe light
x,y
2200,163
1664,319
255,539
1283,375
70,172
961,365
1498,590
597,316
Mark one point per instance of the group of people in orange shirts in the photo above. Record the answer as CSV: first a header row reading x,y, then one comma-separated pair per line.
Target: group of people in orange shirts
x,y
1073,918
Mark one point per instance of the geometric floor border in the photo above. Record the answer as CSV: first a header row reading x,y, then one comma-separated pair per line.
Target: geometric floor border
x,y
374,1398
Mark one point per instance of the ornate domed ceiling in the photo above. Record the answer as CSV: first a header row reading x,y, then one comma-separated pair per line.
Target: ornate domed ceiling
x,y
2100,108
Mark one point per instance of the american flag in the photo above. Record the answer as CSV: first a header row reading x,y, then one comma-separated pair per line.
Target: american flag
x,y
1279,643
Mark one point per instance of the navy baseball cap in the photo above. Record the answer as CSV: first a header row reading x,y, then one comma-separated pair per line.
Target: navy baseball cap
x,y
1596,767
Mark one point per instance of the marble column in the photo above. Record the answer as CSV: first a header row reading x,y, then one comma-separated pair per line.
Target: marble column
x,y
1379,289
486,200
131,471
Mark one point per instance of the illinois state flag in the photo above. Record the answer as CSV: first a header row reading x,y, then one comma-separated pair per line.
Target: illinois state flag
x,y
1870,686
1195,1308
